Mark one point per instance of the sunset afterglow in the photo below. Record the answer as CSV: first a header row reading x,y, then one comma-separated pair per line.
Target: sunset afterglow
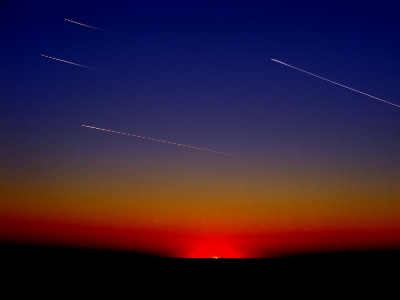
x,y
197,143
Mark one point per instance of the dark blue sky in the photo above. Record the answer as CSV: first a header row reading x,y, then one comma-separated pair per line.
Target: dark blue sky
x,y
200,73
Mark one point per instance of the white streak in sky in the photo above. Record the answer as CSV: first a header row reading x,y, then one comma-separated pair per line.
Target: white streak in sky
x,y
84,25
68,62
376,98
162,141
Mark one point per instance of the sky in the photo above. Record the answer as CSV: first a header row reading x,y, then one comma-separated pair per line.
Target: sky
x,y
314,166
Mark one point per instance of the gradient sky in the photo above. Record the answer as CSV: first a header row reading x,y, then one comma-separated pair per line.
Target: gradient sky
x,y
318,166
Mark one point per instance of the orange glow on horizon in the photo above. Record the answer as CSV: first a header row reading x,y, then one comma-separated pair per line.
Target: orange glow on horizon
x,y
193,242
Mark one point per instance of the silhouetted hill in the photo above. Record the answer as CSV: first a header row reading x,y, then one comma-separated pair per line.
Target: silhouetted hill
x,y
27,262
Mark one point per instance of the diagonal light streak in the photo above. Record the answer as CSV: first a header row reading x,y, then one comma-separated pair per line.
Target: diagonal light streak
x,y
156,140
84,25
349,88
68,62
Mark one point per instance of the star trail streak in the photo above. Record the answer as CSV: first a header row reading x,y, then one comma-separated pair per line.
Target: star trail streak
x,y
68,62
162,141
84,25
354,90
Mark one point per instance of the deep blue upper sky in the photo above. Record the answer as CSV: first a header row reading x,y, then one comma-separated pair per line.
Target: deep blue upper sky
x,y
200,73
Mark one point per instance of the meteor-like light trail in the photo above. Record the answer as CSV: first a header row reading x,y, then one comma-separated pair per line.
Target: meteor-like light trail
x,y
376,98
162,141
84,25
68,62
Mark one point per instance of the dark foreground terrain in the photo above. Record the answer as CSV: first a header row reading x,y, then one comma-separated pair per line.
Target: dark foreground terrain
x,y
27,263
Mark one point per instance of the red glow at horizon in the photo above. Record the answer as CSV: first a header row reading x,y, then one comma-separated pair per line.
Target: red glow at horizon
x,y
165,243
214,248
